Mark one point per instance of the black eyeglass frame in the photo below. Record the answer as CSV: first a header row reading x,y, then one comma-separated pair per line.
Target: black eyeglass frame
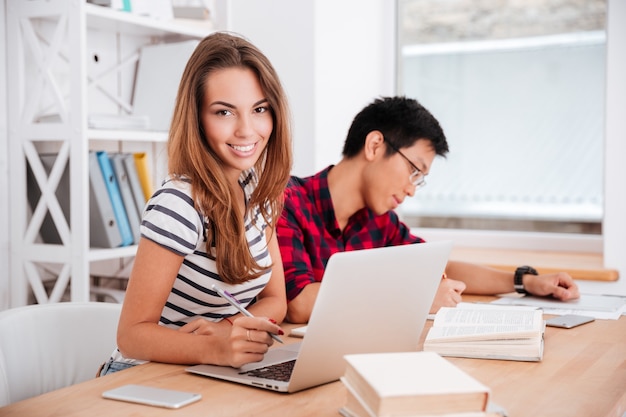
x,y
417,177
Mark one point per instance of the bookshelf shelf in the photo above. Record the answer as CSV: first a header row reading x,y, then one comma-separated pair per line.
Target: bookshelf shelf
x,y
53,252
113,253
65,60
105,18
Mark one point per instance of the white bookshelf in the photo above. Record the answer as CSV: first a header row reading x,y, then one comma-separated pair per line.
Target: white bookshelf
x,y
69,58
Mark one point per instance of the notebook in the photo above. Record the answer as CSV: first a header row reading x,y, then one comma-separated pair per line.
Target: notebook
x,y
372,300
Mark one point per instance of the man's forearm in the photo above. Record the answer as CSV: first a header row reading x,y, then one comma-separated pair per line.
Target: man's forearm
x,y
299,309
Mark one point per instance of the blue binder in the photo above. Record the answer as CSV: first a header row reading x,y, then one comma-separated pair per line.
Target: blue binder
x,y
116,198
103,230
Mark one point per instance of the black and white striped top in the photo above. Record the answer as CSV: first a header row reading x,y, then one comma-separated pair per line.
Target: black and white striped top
x,y
171,220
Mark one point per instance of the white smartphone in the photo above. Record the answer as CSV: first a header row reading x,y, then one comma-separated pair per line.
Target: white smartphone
x,y
158,397
568,321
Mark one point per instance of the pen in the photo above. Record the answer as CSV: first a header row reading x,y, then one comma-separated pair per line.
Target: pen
x,y
235,303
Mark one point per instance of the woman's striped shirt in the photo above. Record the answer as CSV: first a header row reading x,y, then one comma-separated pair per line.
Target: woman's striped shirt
x,y
171,220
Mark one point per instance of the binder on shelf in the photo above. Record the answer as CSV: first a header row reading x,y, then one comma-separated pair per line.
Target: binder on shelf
x,y
115,196
135,184
103,230
157,103
141,162
117,159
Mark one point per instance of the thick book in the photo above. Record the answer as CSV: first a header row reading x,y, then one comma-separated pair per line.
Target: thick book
x,y
117,160
410,384
115,196
354,407
487,333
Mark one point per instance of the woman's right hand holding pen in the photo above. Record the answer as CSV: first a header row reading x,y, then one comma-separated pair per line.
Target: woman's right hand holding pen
x,y
243,339
250,338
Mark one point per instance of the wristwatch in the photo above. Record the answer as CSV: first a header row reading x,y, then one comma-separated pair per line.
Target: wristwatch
x,y
519,274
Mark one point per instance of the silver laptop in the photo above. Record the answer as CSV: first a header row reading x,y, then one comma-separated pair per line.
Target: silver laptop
x,y
372,300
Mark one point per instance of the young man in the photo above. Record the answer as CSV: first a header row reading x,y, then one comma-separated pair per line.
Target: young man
x,y
386,157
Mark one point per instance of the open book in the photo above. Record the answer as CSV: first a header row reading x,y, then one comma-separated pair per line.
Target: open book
x,y
489,333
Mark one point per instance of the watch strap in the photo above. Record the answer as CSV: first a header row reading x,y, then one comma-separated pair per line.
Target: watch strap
x,y
518,283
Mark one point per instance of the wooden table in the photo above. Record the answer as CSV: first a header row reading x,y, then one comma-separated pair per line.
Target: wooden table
x,y
583,373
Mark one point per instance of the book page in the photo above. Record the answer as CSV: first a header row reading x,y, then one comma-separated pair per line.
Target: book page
x,y
481,333
447,316
465,324
598,306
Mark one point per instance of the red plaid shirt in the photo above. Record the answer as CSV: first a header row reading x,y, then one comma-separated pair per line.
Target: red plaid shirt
x,y
308,232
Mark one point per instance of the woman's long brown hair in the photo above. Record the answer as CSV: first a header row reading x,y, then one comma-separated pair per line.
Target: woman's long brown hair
x,y
190,156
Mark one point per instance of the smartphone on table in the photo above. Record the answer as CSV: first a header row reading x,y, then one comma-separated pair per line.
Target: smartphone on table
x,y
567,321
159,397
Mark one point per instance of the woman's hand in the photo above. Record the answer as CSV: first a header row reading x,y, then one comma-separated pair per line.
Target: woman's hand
x,y
250,339
245,341
205,327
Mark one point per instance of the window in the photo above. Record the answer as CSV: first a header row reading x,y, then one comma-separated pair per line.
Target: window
x,y
519,90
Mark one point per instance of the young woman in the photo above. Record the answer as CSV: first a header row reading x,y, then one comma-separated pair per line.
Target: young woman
x,y
212,222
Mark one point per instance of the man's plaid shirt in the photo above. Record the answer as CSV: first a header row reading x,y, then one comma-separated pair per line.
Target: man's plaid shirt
x,y
308,232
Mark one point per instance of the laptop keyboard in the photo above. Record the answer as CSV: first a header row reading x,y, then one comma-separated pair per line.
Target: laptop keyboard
x,y
277,372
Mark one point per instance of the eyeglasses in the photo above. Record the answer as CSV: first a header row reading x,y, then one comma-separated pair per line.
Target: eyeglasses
x,y
417,177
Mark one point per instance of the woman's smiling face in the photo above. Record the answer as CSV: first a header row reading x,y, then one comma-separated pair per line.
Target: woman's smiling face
x,y
236,118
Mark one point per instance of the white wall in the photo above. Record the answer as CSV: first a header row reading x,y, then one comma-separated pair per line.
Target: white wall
x,y
333,58
355,50
283,30
614,224
4,170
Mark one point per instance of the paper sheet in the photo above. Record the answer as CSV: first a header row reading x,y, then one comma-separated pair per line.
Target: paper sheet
x,y
598,306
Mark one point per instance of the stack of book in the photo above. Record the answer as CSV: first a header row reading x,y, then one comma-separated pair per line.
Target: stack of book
x,y
404,384
505,333
119,186
118,177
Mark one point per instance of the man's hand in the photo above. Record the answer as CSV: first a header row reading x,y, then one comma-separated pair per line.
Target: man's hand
x,y
560,285
448,294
